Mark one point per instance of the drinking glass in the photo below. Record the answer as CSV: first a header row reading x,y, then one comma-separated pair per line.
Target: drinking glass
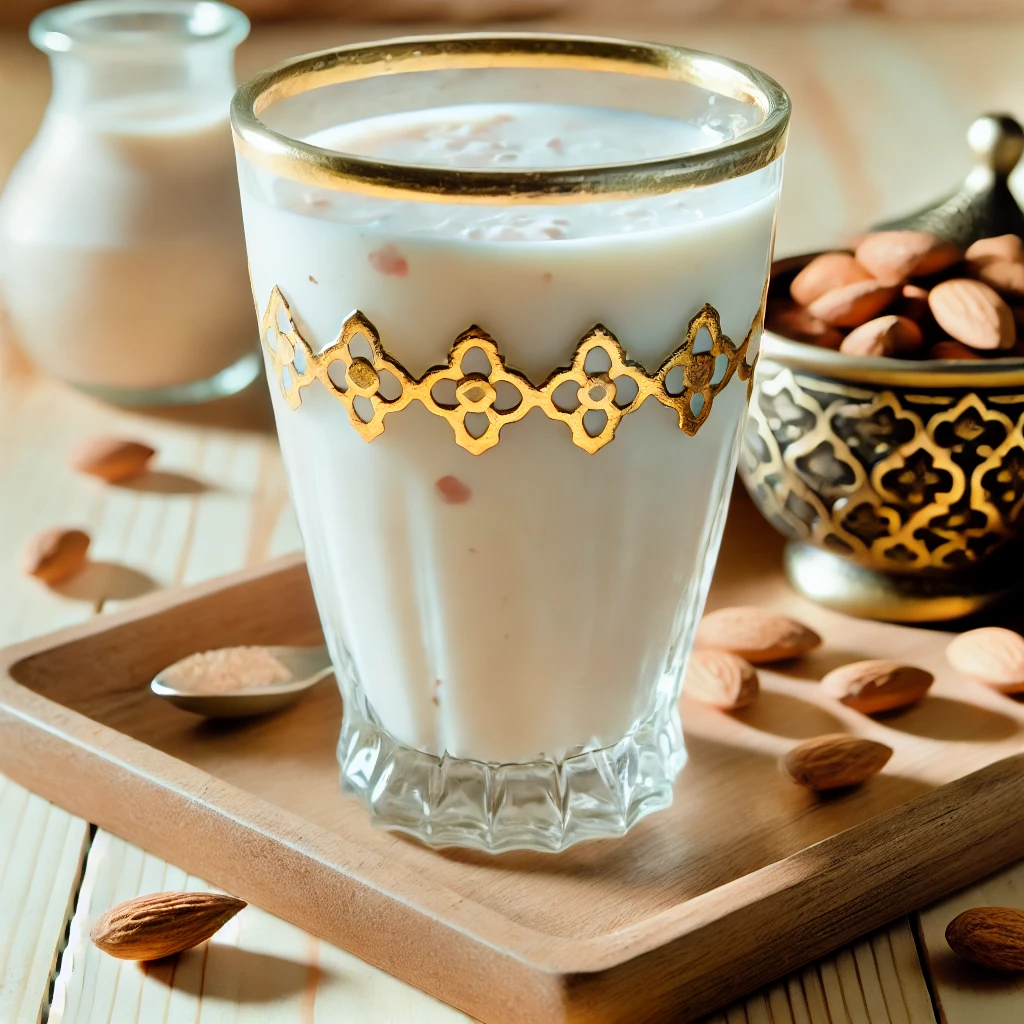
x,y
508,397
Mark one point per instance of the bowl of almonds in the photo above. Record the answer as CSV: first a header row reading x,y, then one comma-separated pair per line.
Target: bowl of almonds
x,y
884,434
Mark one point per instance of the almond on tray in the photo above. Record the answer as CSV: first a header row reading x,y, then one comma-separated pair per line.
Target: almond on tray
x,y
908,295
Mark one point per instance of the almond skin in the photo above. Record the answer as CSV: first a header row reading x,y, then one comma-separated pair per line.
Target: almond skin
x,y
835,761
949,349
825,272
162,923
112,458
851,305
989,936
913,302
877,685
1004,276
1001,247
755,634
973,313
793,321
883,336
54,556
721,679
991,655
895,256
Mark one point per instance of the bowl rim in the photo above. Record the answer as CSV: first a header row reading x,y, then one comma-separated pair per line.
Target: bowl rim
x,y
823,362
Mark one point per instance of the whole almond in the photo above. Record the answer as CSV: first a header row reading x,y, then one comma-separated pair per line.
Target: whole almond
x,y
1001,247
883,336
877,685
989,936
895,256
949,349
793,321
1005,276
991,655
162,923
55,555
835,761
721,679
755,634
825,272
973,313
851,305
111,458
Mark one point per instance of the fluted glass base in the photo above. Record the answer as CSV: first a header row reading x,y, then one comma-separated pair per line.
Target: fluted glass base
x,y
542,805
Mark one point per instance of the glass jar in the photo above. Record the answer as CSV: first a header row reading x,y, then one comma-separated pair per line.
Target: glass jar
x,y
511,291
122,259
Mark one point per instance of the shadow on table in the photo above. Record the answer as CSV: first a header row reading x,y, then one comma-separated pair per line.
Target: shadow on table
x,y
100,582
250,409
234,975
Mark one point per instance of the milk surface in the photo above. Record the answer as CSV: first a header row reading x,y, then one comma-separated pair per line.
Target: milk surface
x,y
544,601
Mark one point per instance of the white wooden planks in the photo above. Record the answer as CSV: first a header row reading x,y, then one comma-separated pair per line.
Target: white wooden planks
x,y
875,981
41,849
257,970
968,994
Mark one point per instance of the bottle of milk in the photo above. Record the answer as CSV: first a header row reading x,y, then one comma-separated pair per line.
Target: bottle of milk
x,y
122,261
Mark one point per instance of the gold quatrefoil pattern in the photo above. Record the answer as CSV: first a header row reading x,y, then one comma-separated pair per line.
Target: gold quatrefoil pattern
x,y
614,392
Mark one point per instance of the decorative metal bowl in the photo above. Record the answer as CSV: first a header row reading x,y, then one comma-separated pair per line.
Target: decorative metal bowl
x,y
900,484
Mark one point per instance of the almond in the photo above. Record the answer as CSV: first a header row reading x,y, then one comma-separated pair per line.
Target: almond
x,y
834,761
793,321
883,336
721,679
913,302
1004,276
162,923
895,256
991,655
877,685
55,555
755,634
111,458
825,272
973,313
949,349
1001,247
990,936
851,305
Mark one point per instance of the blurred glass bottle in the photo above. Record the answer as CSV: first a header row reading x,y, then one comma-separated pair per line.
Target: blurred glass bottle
x,y
122,259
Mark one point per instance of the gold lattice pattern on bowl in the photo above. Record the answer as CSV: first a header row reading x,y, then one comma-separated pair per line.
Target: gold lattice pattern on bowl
x,y
897,480
702,375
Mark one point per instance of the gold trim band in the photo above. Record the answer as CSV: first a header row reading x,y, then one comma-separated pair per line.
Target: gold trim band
x,y
296,366
312,165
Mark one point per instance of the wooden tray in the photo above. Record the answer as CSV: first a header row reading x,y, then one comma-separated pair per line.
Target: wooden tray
x,y
744,878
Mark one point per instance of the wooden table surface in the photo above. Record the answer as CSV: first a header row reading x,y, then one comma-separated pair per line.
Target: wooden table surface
x,y
880,110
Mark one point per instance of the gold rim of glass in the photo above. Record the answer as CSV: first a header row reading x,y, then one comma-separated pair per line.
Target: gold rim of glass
x,y
751,150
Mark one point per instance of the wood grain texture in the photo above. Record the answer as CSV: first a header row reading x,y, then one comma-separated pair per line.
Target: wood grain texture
x,y
966,993
877,980
766,876
256,970
41,850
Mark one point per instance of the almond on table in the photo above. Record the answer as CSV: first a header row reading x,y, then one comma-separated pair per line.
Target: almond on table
x,y
162,923
755,634
991,655
113,459
992,937
55,555
835,761
877,685
721,679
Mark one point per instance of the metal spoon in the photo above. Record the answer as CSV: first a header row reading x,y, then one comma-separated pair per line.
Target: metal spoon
x,y
307,665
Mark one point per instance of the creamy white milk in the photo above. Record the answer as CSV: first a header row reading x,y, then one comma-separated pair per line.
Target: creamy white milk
x,y
121,249
534,600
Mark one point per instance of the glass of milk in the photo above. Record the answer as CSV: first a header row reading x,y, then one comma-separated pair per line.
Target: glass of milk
x,y
122,260
510,290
